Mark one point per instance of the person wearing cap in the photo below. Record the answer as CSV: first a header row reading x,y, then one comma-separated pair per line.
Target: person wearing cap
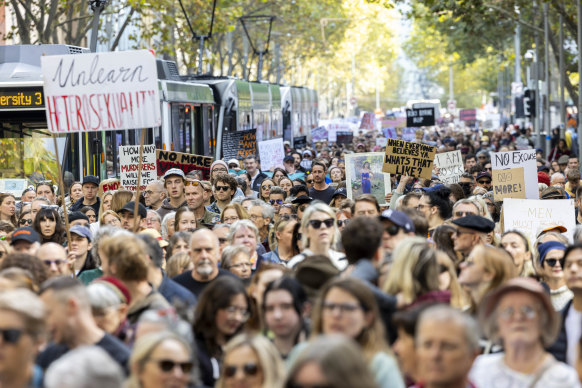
x,y
519,315
484,180
549,268
25,240
78,218
338,196
306,163
174,184
563,163
127,216
154,195
216,168
397,227
90,188
301,202
256,175
289,163
80,249
234,165
54,256
470,231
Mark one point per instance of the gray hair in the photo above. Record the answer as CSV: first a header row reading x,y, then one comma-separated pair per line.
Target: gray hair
x,y
266,209
444,313
102,233
156,215
102,296
230,252
159,185
167,217
85,367
242,224
556,175
278,190
43,199
168,320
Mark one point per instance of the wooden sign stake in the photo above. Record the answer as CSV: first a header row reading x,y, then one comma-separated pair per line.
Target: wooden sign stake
x,y
62,190
137,192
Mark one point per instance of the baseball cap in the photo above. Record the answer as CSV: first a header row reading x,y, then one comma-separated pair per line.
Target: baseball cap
x,y
77,215
82,231
174,171
130,207
25,234
398,218
155,234
483,174
340,191
289,159
301,200
233,161
91,179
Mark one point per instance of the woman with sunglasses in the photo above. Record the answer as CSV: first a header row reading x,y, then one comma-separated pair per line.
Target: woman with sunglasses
x,y
8,208
251,361
25,219
49,226
221,312
281,241
319,234
159,360
549,267
347,307
265,189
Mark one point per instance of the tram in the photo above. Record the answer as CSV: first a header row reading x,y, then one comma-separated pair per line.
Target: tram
x,y
196,111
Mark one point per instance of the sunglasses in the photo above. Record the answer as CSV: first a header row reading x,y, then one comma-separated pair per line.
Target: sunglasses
x,y
309,181
169,365
222,188
43,183
10,336
276,201
486,182
342,223
192,182
553,262
392,230
249,369
463,214
266,187
25,222
316,224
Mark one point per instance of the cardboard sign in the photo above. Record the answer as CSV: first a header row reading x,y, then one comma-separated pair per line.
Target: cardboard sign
x,y
129,166
368,121
450,165
185,162
101,91
508,184
344,137
108,185
531,216
240,144
419,117
319,134
271,153
300,142
408,158
515,159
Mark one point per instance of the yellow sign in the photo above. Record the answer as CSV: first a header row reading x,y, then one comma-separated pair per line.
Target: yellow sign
x,y
409,158
508,183
21,98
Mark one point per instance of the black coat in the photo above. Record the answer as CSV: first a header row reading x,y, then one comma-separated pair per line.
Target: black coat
x,y
560,347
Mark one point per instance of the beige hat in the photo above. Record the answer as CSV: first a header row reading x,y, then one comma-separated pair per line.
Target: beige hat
x,y
155,234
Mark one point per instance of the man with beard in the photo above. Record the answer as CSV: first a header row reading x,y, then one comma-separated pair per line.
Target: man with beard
x,y
204,252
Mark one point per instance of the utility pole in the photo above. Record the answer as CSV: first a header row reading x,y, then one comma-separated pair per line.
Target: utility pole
x,y
562,76
547,121
517,64
537,118
451,92
97,6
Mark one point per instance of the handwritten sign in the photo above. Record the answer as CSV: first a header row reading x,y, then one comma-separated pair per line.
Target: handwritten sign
x,y
300,142
508,184
344,137
368,121
129,166
101,91
408,134
419,117
531,216
450,165
185,162
240,144
515,159
408,158
390,133
106,185
271,153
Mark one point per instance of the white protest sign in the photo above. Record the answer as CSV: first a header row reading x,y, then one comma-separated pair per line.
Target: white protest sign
x,y
531,216
101,91
271,153
381,141
450,165
129,166
515,159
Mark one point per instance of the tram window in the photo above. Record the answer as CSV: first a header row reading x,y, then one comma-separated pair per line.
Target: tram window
x,y
181,128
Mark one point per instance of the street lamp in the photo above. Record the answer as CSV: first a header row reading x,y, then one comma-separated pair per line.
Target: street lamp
x,y
260,43
200,38
97,6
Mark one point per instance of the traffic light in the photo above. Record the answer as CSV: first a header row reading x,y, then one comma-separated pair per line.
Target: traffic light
x,y
529,103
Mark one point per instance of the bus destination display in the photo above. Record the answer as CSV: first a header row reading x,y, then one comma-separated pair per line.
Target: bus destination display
x,y
21,98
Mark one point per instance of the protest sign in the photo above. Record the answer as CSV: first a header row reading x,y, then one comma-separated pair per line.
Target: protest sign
x,y
106,185
390,133
271,153
364,176
508,183
450,165
531,216
408,134
468,115
101,91
300,142
185,162
239,144
515,159
408,158
396,122
319,134
420,117
381,141
344,137
368,121
129,165
332,134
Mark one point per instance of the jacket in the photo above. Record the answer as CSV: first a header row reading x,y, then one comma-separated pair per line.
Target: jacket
x,y
560,346
168,208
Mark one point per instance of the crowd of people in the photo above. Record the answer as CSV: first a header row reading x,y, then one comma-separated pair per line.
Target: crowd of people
x,y
264,279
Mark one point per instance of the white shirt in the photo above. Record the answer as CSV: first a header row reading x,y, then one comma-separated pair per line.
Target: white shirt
x,y
338,259
573,331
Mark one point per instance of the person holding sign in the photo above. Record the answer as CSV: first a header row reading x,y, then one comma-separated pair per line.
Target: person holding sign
x,y
174,184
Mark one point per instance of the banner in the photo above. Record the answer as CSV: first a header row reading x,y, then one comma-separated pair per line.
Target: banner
x,y
368,121
344,137
469,115
408,134
420,117
106,185
129,166
531,216
185,162
364,176
240,144
300,142
450,165
319,134
271,154
101,91
396,122
515,159
508,184
408,158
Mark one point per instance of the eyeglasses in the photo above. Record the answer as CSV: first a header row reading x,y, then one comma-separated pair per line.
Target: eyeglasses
x,y
169,365
219,169
25,222
528,312
266,187
342,307
316,224
553,262
464,214
392,230
422,206
276,201
342,223
254,217
11,336
192,182
288,217
485,182
222,188
57,262
232,310
249,369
